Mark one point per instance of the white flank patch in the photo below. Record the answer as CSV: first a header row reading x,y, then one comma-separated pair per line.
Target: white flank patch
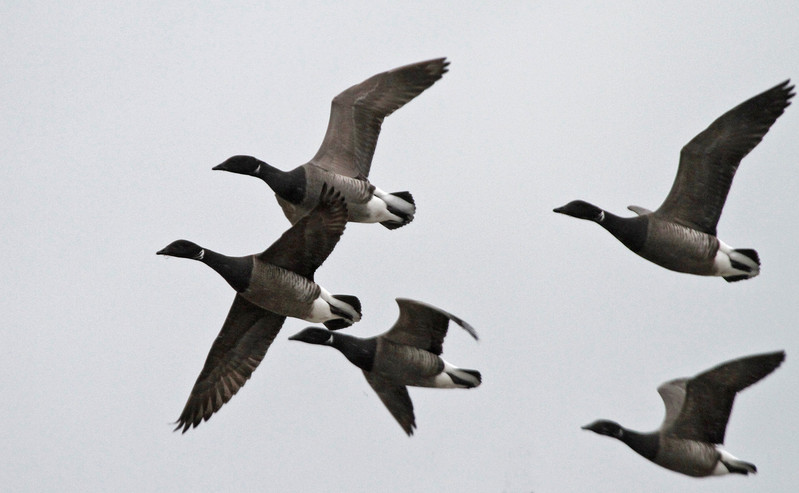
x,y
320,312
395,202
443,381
377,211
721,469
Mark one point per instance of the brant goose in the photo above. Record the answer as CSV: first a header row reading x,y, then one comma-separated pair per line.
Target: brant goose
x,y
697,411
681,234
345,156
408,354
269,287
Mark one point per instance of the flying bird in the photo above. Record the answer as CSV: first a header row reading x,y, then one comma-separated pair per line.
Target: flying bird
x,y
407,355
270,286
345,156
697,411
681,234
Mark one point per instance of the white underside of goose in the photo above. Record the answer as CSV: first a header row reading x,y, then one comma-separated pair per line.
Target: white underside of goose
x,y
444,381
375,211
723,263
321,311
727,457
395,202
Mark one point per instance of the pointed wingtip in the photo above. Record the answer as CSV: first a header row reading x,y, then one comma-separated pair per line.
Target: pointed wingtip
x,y
180,424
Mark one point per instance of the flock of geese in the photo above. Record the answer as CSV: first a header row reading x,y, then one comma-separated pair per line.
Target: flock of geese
x,y
333,188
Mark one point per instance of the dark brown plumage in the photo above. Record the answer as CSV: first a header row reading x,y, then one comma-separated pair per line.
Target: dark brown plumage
x,y
344,158
706,403
408,354
681,234
709,161
269,287
697,412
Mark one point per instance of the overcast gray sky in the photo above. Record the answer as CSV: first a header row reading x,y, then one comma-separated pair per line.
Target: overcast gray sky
x,y
114,114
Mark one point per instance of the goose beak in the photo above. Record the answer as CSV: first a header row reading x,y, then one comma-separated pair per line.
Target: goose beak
x,y
559,210
220,167
161,252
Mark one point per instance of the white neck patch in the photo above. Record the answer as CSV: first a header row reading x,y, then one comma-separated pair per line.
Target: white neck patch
x,y
200,255
601,216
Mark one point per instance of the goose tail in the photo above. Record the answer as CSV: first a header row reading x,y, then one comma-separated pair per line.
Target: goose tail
x,y
402,205
466,379
739,467
348,308
745,260
729,464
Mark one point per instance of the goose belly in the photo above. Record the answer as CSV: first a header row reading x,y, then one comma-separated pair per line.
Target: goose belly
x,y
407,365
680,249
688,457
281,291
356,193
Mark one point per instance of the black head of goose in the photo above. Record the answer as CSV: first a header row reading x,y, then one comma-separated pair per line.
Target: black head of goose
x,y
407,355
681,234
344,159
269,287
697,411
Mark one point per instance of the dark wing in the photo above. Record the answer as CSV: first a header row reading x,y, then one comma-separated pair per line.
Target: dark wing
x,y
709,396
357,113
709,161
247,333
306,245
423,326
396,399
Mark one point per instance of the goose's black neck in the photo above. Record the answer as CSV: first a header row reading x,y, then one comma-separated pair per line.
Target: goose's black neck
x,y
288,185
646,444
236,270
629,230
360,352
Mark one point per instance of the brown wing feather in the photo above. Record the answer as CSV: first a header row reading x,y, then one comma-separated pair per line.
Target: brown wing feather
x,y
423,326
357,114
308,243
710,395
396,399
246,335
709,161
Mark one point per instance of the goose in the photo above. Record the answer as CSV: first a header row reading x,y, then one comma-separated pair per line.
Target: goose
x,y
697,411
345,156
681,234
270,286
407,355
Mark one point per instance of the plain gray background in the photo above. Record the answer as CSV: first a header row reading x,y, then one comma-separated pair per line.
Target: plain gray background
x,y
114,114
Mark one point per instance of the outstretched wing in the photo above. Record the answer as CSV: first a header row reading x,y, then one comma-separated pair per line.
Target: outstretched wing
x,y
357,114
709,396
247,333
423,326
306,245
396,399
673,395
709,161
